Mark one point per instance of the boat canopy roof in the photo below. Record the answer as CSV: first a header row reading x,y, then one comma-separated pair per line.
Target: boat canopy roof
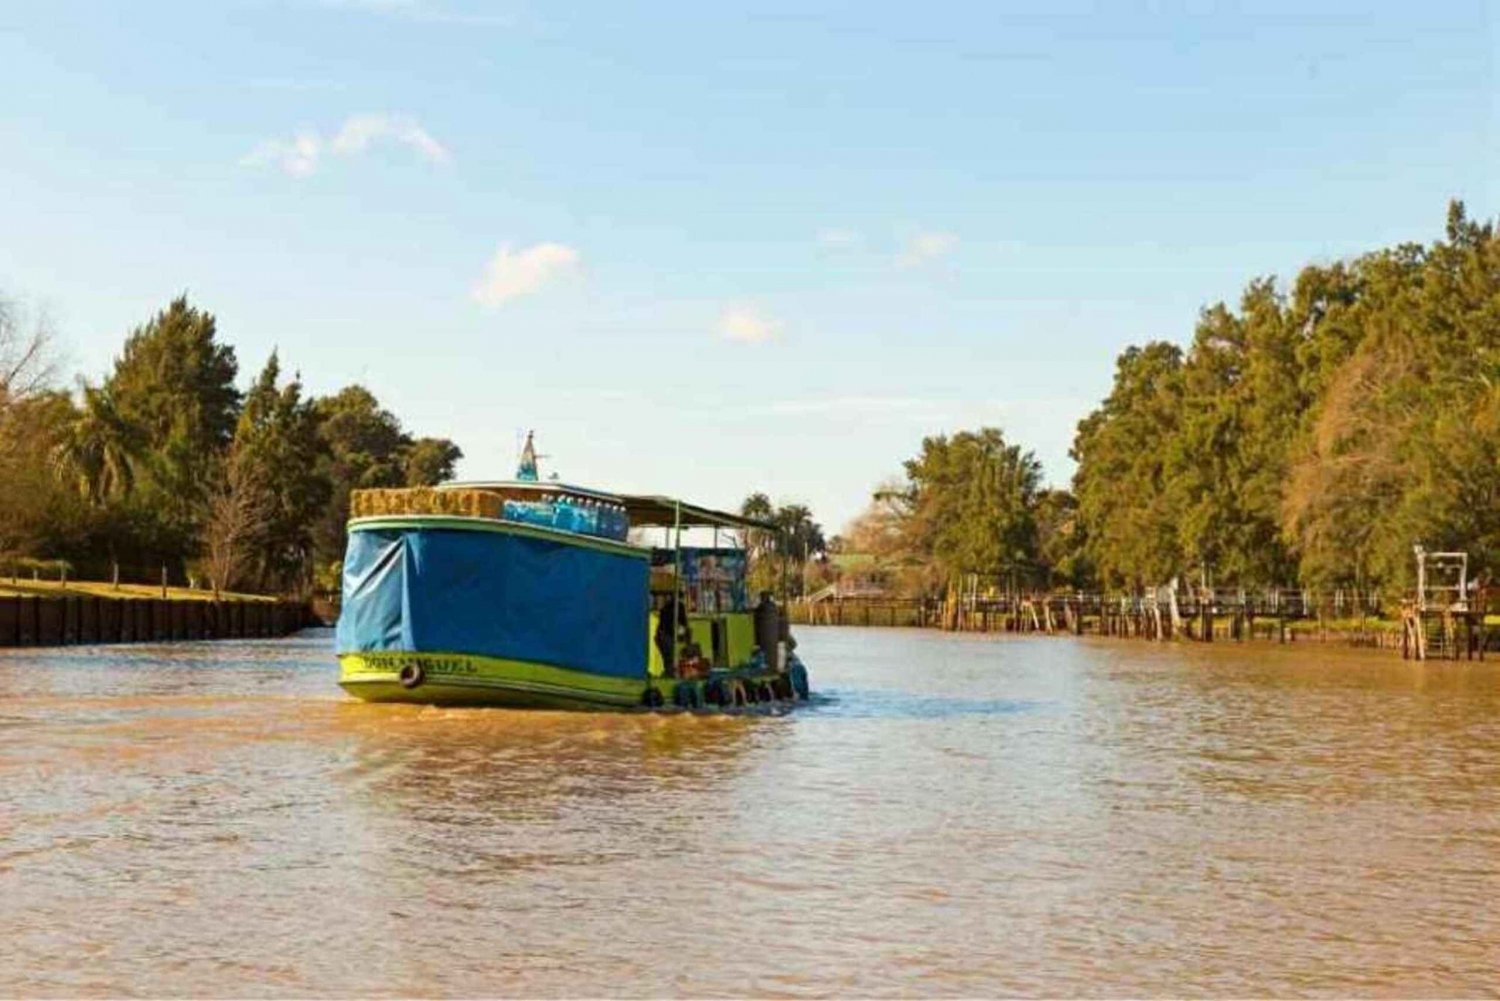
x,y
656,512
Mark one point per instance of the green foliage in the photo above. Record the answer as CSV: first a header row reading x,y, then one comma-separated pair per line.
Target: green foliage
x,y
173,386
165,463
1121,483
38,511
971,503
430,461
98,449
798,536
971,500
784,552
364,446
1312,436
175,381
277,448
1060,543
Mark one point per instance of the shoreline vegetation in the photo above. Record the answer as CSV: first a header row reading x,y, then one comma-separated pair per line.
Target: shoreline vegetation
x,y
1303,440
165,473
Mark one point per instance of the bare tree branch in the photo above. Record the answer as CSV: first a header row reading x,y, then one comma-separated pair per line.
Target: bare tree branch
x,y
27,361
240,512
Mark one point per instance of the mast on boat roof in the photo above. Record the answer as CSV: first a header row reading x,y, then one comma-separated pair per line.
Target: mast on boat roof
x,y
527,471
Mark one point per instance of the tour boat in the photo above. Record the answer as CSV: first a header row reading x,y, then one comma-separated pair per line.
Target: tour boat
x,y
531,594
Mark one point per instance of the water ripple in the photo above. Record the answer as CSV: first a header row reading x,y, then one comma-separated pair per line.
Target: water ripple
x,y
951,816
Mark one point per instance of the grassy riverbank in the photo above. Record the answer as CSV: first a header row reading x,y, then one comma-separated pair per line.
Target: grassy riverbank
x,y
104,589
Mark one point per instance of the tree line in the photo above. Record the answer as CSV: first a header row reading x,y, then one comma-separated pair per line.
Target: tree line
x,y
1311,436
166,463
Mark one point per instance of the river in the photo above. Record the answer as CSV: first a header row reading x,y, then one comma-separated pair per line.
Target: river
x,y
955,815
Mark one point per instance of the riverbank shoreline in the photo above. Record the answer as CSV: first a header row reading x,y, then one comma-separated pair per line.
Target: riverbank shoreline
x,y
79,619
1466,637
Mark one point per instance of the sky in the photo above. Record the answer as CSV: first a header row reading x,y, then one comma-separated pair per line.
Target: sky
x,y
707,249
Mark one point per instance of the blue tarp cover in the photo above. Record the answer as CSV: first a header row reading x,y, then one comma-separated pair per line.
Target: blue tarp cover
x,y
494,594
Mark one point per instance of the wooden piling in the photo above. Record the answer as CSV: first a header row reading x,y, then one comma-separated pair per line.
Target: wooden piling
x,y
10,621
49,623
88,620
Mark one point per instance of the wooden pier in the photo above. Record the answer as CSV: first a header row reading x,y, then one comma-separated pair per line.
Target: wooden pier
x,y
1277,616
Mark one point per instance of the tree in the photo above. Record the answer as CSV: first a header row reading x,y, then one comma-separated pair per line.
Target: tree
x,y
175,381
98,450
971,500
27,362
759,543
365,446
276,452
430,461
1313,435
799,537
1401,444
1123,506
241,512
38,512
165,461
878,529
1061,545
174,385
30,412
799,540
773,553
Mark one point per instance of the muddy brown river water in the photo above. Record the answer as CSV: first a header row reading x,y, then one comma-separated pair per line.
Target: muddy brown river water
x,y
955,815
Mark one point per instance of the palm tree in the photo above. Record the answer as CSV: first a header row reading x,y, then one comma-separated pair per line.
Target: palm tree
x,y
98,451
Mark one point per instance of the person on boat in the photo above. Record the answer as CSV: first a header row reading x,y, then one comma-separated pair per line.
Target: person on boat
x,y
670,611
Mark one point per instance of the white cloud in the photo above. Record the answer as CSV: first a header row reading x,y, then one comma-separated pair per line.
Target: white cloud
x,y
516,273
302,154
928,246
297,156
360,131
743,325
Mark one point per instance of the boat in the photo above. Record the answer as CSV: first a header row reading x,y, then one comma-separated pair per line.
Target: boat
x,y
538,594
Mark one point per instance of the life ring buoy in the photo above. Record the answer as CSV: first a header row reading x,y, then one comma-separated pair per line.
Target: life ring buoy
x,y
411,675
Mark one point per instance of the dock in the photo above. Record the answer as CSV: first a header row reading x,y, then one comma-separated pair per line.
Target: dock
x,y
1419,631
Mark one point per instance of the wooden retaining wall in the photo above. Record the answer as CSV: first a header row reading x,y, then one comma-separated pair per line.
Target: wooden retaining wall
x,y
87,619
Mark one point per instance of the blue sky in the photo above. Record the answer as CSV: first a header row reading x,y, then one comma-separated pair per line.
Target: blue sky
x,y
705,249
